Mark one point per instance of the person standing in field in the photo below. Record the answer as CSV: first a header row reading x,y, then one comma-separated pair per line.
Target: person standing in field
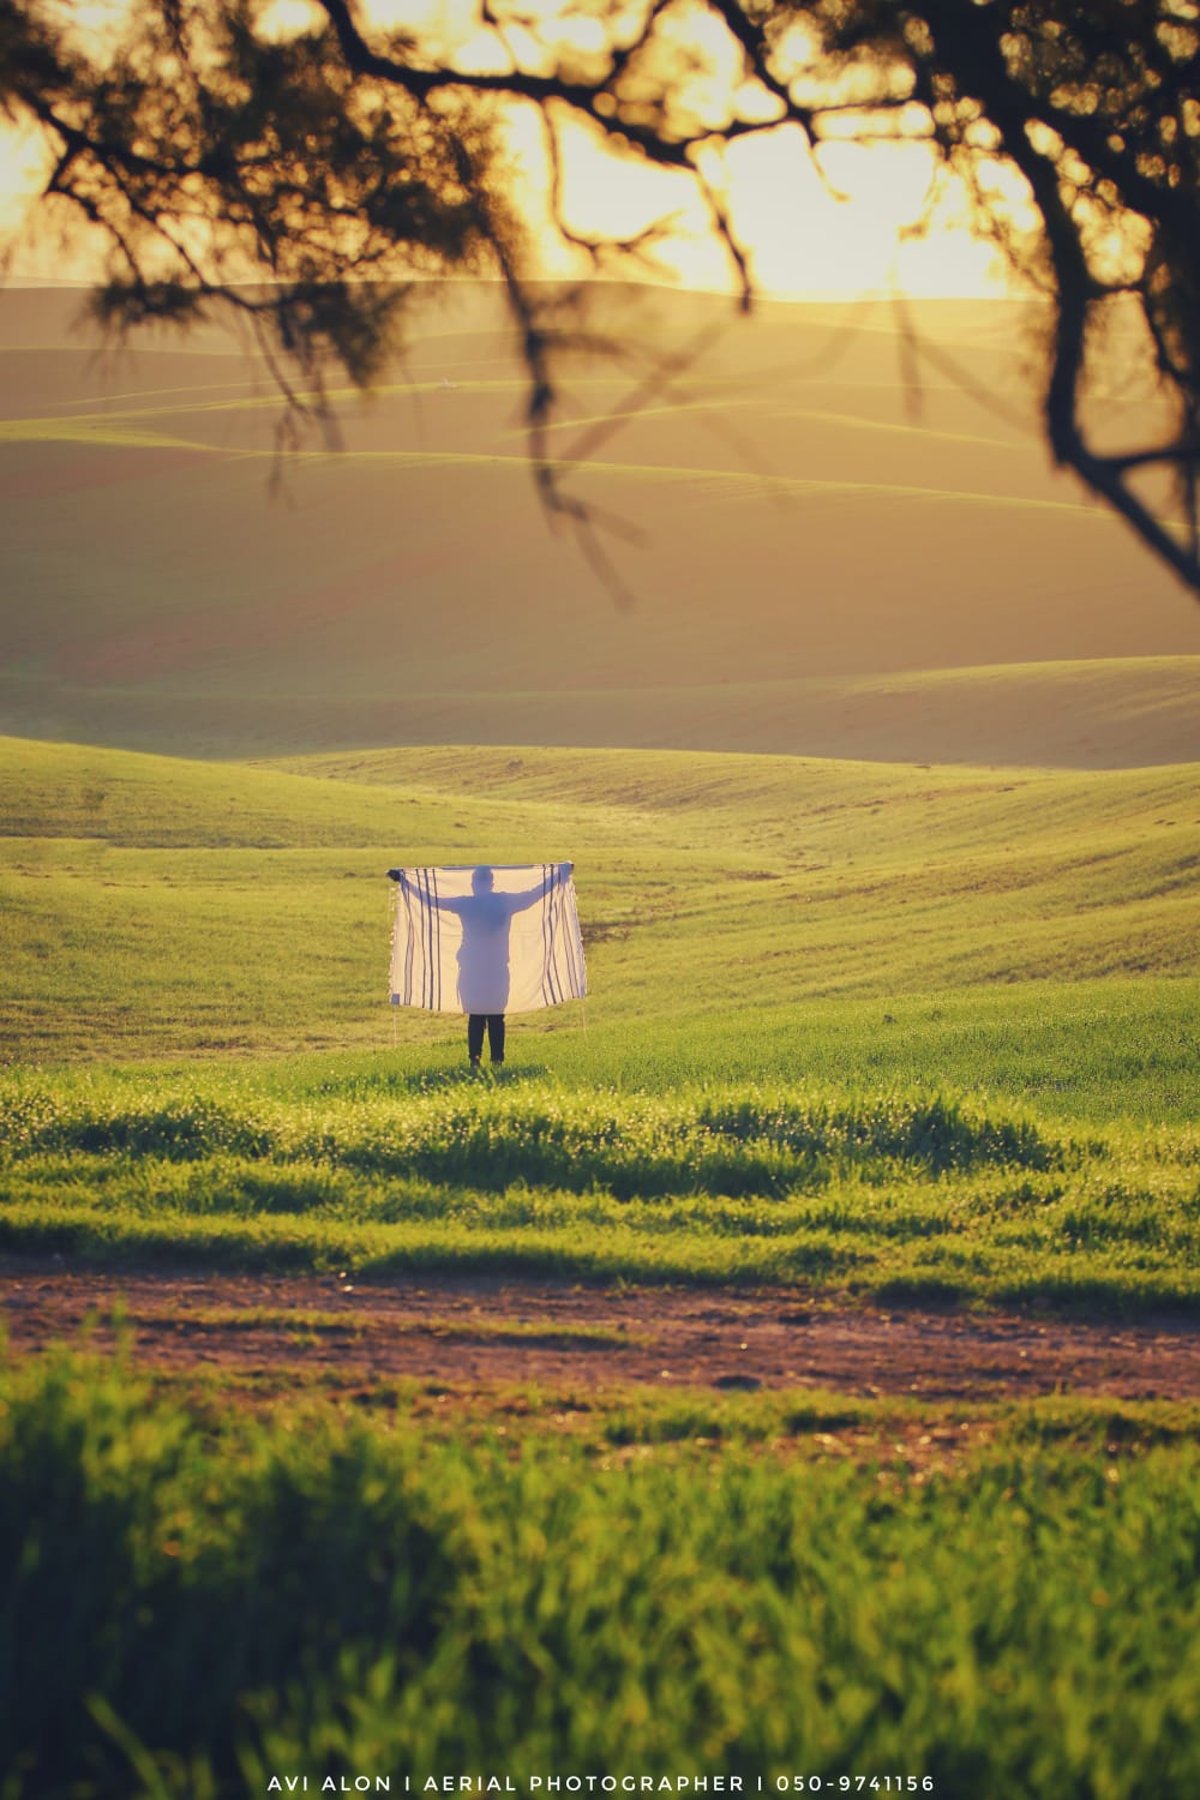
x,y
483,955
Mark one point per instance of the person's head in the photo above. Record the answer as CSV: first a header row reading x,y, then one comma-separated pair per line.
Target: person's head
x,y
482,880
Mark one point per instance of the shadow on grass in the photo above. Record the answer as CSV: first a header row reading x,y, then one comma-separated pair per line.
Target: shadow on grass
x,y
429,1081
1098,1300
826,1277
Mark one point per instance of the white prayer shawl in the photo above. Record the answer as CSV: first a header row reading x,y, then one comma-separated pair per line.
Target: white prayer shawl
x,y
460,945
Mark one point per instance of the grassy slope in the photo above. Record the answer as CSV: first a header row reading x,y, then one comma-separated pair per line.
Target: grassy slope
x,y
764,935
1116,712
155,907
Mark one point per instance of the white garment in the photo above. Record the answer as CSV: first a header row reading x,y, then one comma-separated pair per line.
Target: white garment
x,y
462,944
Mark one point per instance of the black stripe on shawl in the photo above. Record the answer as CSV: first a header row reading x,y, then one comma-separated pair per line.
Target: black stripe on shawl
x,y
419,925
426,940
546,999
436,917
393,989
410,942
555,911
570,929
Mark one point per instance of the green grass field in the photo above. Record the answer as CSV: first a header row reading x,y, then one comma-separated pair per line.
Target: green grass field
x,y
732,904
677,1591
887,1029
882,1032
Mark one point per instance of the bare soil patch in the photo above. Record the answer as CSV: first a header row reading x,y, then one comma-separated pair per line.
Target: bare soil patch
x,y
504,1330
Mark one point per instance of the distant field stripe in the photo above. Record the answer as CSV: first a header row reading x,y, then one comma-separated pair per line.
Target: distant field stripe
x,y
817,415
257,402
100,432
273,399
192,387
582,422
744,479
855,422
102,429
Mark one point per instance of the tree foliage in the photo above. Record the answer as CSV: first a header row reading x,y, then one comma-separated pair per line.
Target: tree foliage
x,y
304,179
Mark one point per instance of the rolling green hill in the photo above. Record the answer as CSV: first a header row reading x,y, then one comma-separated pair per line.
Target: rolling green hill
x,y
847,1021
753,915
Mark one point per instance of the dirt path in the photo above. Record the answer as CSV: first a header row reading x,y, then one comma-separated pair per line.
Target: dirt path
x,y
479,1331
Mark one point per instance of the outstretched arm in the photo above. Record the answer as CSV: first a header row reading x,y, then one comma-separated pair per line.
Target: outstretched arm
x,y
425,897
521,902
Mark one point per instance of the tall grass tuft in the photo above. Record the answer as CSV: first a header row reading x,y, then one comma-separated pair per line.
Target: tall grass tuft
x,y
353,1599
737,1142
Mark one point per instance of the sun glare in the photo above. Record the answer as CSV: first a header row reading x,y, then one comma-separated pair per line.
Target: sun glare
x,y
857,220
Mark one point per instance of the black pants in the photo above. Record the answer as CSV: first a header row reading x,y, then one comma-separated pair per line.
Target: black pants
x,y
495,1031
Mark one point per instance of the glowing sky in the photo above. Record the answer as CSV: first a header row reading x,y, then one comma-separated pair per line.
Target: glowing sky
x,y
801,239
